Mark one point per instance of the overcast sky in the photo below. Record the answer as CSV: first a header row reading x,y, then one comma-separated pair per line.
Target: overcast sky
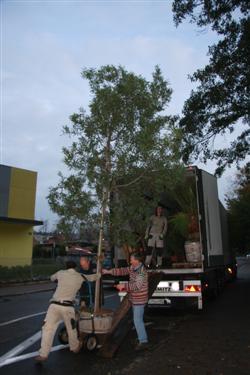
x,y
46,44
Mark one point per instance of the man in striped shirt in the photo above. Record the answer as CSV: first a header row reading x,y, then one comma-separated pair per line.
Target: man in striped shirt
x,y
137,287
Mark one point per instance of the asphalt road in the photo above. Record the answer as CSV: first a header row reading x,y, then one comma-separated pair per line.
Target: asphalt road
x,y
22,316
215,341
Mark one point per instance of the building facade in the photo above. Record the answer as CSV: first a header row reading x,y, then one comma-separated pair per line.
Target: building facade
x,y
17,209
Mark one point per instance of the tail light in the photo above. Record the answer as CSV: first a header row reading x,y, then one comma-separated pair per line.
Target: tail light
x,y
192,288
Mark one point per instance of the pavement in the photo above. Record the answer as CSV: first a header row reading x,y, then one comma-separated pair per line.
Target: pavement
x,y
25,288
214,341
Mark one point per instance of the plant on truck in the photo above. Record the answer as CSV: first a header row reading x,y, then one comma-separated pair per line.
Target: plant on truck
x,y
183,223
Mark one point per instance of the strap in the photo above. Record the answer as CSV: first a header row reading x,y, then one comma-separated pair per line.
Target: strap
x,y
93,323
89,288
90,294
64,303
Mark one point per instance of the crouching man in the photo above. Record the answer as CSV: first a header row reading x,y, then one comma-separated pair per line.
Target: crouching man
x,y
62,308
137,287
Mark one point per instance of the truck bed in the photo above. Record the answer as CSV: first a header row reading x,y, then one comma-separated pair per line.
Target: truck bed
x,y
187,265
182,270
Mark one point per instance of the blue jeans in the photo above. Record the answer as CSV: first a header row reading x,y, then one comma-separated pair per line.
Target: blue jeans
x,y
138,312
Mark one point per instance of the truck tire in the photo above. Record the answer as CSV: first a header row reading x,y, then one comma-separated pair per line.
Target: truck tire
x,y
63,335
91,342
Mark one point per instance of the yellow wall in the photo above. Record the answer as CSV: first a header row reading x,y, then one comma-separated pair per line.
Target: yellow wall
x,y
22,194
16,242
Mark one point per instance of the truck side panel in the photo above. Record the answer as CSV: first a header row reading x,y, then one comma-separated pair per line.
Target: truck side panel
x,y
229,257
212,220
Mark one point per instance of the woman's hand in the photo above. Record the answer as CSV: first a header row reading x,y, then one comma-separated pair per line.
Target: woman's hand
x,y
120,287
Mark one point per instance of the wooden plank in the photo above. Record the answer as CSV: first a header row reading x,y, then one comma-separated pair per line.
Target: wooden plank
x,y
122,322
153,281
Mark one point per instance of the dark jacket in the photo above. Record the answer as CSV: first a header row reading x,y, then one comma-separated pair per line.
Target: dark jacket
x,y
87,291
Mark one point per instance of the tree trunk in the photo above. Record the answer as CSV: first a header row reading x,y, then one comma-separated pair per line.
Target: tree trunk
x,y
99,253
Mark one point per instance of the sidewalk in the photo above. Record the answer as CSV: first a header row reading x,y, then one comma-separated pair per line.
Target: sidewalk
x,y
26,288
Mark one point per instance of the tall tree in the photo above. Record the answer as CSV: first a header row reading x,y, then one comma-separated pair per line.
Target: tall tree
x,y
125,140
238,203
220,103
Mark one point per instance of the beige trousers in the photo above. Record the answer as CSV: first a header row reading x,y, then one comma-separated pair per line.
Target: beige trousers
x,y
55,314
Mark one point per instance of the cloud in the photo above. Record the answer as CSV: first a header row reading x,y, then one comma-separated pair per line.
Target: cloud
x,y
44,50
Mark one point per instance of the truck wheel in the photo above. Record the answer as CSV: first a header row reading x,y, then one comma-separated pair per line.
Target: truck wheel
x,y
91,342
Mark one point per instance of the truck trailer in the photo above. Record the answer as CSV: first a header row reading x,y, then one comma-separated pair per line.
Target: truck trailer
x,y
207,262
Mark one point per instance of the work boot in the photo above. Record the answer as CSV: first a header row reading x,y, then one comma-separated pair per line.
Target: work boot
x,y
141,346
148,260
159,262
79,347
40,359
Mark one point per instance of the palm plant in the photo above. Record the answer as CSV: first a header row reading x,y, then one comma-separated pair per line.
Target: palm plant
x,y
184,222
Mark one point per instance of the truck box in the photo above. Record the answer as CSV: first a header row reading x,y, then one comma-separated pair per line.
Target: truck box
x,y
215,264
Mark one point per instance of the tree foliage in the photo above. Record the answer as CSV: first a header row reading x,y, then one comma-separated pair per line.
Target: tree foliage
x,y
72,204
123,142
220,103
238,203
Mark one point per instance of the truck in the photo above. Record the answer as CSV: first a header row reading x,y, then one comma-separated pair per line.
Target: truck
x,y
207,261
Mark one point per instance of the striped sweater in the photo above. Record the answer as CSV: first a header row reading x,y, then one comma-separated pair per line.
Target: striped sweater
x,y
137,287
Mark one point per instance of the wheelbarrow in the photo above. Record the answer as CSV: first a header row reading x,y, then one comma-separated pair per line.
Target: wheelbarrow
x,y
92,328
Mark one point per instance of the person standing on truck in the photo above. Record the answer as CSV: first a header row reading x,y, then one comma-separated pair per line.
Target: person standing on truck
x,y
155,233
61,307
137,287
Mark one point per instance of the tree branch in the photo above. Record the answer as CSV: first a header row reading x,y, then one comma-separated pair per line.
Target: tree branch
x,y
136,179
132,182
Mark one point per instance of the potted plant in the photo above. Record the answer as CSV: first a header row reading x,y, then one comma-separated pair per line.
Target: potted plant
x,y
184,222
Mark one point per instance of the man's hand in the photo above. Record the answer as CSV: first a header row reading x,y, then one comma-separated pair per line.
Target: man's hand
x,y
120,287
106,272
161,237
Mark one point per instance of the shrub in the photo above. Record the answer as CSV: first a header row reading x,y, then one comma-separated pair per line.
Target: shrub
x,y
38,271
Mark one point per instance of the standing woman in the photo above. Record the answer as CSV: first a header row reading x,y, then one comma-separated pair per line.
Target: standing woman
x,y
155,233
137,289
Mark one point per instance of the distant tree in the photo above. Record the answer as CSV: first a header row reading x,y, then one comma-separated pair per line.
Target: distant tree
x,y
220,103
72,204
45,227
123,142
238,203
89,229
